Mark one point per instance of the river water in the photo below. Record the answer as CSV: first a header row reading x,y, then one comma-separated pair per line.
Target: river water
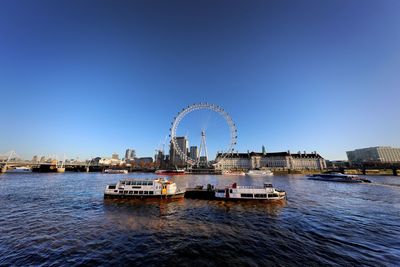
x,y
62,219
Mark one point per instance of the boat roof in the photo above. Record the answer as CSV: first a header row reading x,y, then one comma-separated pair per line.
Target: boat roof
x,y
158,179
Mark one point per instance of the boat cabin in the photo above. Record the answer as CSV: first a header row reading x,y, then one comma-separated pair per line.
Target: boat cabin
x,y
142,188
266,192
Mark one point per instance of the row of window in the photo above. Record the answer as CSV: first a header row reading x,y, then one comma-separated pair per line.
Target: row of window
x,y
135,192
137,182
258,195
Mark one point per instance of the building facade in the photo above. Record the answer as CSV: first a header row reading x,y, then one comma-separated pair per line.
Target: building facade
x,y
233,161
144,160
276,160
130,154
379,154
175,159
194,152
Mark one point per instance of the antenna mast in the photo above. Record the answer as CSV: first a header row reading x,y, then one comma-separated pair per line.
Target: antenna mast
x,y
203,147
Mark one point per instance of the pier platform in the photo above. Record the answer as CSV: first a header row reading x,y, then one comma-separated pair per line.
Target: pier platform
x,y
200,193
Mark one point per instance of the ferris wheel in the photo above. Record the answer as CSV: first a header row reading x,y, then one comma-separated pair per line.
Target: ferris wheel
x,y
203,106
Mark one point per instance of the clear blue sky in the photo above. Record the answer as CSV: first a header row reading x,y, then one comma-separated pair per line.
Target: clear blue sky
x,y
89,78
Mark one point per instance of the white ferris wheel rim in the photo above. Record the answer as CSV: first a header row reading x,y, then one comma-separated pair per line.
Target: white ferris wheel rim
x,y
200,106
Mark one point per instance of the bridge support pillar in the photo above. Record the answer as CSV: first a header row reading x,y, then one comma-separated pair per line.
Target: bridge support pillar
x,y
364,172
3,169
394,171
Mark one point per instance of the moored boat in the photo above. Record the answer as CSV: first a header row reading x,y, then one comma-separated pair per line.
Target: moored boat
x,y
234,192
265,193
338,177
234,173
158,188
112,171
171,172
259,173
19,170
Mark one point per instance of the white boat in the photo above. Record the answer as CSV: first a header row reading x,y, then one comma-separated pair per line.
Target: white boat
x,y
112,171
158,188
19,170
259,173
234,173
264,193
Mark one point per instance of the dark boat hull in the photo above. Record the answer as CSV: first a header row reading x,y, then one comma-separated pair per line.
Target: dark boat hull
x,y
339,181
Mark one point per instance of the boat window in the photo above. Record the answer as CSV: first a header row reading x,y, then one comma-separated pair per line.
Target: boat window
x,y
121,192
128,183
230,191
111,187
139,183
136,186
140,192
247,195
135,192
145,192
150,183
130,192
125,192
115,191
260,195
151,192
272,195
133,183
123,182
221,191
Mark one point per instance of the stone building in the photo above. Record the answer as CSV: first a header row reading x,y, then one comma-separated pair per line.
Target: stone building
x,y
379,154
275,160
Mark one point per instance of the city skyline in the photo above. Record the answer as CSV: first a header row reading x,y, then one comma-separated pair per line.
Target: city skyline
x,y
95,79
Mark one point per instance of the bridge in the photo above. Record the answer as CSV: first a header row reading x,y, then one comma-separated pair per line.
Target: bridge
x,y
11,159
369,167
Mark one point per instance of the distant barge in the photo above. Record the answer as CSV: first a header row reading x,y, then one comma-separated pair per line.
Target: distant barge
x,y
235,193
338,177
171,172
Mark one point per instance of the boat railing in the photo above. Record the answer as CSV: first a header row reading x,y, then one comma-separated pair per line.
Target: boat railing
x,y
250,187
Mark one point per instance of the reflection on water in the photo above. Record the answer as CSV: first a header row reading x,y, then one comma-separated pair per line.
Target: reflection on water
x,y
62,219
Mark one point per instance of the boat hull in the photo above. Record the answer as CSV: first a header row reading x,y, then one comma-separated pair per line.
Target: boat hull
x,y
116,172
255,175
252,199
170,173
128,196
339,181
204,194
18,171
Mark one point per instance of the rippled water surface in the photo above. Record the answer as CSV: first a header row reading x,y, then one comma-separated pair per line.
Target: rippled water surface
x,y
62,219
